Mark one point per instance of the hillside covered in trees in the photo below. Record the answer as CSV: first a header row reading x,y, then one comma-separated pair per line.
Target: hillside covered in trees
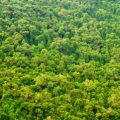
x,y
59,59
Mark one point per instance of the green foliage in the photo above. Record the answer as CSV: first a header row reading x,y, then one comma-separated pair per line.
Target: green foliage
x,y
59,60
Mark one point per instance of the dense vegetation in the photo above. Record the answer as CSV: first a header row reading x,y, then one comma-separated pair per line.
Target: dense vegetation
x,y
59,60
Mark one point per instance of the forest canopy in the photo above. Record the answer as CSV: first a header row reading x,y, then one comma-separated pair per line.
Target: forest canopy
x,y
59,59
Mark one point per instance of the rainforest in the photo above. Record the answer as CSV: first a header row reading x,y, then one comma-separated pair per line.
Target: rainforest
x,y
59,59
